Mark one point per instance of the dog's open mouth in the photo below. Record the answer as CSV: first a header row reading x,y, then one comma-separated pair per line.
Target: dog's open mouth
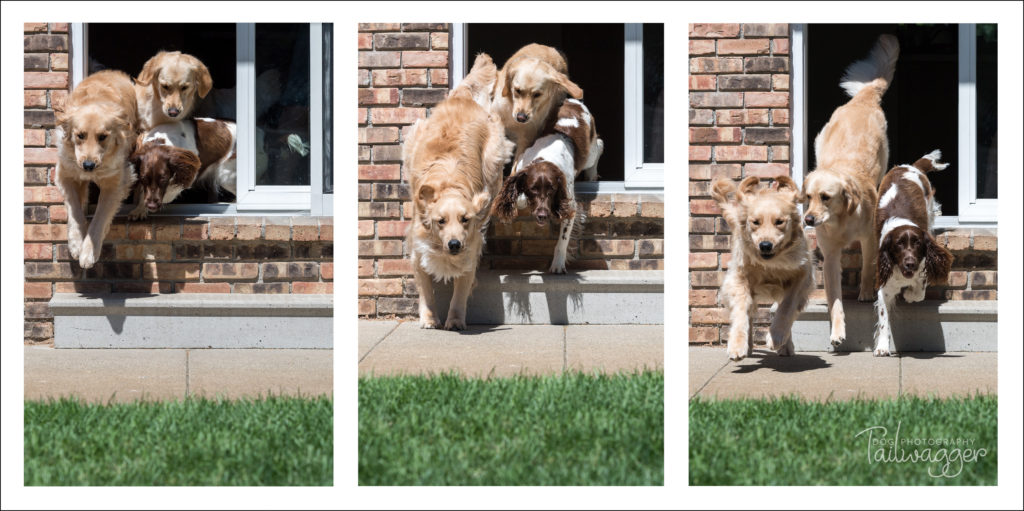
x,y
767,255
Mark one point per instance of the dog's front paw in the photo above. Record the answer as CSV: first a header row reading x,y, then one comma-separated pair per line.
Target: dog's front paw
x,y
881,352
739,352
138,214
913,295
787,350
455,324
74,246
557,267
88,256
430,324
836,339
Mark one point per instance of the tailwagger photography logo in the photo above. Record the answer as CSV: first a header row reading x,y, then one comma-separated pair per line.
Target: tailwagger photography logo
x,y
943,456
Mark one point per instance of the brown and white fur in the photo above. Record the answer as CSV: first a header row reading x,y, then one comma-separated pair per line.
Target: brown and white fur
x,y
909,258
529,90
164,170
852,152
454,160
96,130
169,88
544,177
771,260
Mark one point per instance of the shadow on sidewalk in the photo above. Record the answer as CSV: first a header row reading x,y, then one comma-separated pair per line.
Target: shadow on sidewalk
x,y
924,355
795,364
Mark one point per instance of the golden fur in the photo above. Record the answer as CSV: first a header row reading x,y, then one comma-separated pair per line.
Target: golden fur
x,y
783,274
97,127
840,195
170,82
531,86
454,160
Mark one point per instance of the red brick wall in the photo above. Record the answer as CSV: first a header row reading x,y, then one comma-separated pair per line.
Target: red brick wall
x,y
160,255
740,126
403,72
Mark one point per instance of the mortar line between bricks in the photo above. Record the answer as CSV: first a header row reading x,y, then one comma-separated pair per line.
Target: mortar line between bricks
x,y
712,377
380,341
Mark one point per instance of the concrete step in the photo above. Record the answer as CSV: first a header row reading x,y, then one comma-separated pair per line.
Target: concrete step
x,y
597,297
968,325
192,320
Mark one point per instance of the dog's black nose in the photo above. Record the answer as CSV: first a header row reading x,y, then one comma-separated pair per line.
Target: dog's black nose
x,y
765,246
521,117
454,246
809,220
173,112
88,165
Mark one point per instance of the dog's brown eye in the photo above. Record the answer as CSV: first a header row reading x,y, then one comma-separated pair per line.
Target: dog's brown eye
x,y
519,92
465,219
441,221
101,138
824,196
756,222
165,87
536,94
81,136
184,87
779,222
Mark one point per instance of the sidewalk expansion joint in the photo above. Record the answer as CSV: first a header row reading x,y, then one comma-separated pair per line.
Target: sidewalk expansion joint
x,y
565,348
712,377
188,376
385,336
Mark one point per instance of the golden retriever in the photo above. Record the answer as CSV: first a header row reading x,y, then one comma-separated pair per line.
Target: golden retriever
x,y
97,127
169,87
529,90
454,161
841,193
771,260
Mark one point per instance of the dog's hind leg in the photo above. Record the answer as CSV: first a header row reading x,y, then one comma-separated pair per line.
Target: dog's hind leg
x,y
869,260
780,333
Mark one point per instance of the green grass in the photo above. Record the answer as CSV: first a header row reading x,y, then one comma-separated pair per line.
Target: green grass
x,y
571,429
792,442
270,441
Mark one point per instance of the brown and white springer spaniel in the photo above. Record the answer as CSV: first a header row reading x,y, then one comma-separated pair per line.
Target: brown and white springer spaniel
x,y
909,258
172,157
544,176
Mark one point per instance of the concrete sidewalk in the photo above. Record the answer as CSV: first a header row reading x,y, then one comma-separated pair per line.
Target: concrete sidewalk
x,y
102,375
823,376
392,347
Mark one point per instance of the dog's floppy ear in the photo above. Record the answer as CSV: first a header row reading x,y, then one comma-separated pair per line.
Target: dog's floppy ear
x,y
136,158
62,117
937,261
785,184
571,88
150,70
723,190
184,166
506,88
481,202
425,196
562,206
852,195
504,206
204,82
747,187
885,264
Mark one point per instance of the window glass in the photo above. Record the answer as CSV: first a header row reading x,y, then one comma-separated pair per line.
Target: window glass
x,y
986,111
654,93
282,138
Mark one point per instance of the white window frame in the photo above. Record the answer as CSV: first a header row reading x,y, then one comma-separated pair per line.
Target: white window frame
x,y
973,212
638,176
251,199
